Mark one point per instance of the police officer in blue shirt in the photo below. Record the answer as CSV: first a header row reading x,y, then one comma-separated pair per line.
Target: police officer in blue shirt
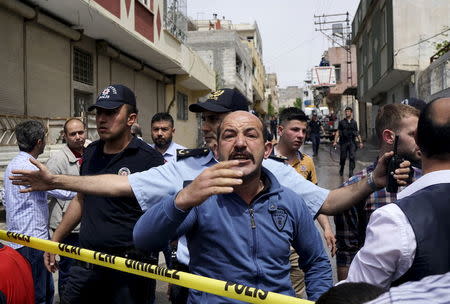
x,y
151,186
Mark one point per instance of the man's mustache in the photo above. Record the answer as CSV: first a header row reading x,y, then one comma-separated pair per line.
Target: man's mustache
x,y
242,155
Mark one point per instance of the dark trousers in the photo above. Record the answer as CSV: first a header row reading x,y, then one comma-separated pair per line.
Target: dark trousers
x,y
274,132
65,263
179,294
315,139
104,285
348,148
43,280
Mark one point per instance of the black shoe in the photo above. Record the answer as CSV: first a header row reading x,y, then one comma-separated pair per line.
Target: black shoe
x,y
350,174
341,172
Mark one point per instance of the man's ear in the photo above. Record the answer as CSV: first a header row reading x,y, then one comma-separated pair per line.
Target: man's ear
x,y
280,130
388,136
132,118
267,149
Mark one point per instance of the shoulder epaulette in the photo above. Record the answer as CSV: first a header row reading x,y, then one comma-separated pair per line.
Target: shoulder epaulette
x,y
278,158
185,153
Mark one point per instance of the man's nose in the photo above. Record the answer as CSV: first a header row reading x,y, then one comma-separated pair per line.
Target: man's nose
x,y
240,141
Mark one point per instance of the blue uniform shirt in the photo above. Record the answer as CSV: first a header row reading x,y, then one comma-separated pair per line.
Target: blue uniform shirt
x,y
152,186
243,243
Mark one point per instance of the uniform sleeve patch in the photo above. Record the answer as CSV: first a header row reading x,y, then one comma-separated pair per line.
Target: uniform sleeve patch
x,y
279,218
185,153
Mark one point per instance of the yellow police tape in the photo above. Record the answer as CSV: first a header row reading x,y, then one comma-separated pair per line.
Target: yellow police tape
x,y
221,288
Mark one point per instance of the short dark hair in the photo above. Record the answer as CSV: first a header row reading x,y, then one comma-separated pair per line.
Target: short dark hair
x,y
28,133
162,116
292,113
390,115
350,293
69,120
433,138
131,109
349,109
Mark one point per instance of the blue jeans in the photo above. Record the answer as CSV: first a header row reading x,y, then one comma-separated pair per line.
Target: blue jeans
x,y
43,280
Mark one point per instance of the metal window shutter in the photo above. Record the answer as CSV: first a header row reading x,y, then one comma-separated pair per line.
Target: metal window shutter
x,y
161,90
11,64
104,69
121,74
147,101
48,73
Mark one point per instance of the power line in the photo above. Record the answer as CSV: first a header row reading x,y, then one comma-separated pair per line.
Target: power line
x,y
420,41
292,49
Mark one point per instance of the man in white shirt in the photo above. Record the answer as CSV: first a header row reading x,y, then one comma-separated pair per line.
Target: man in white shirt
x,y
162,134
408,240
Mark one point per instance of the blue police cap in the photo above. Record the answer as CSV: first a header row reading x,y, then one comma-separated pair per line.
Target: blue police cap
x,y
113,97
222,101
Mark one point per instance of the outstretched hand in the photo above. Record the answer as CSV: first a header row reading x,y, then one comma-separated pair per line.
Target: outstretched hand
x,y
218,179
380,173
34,180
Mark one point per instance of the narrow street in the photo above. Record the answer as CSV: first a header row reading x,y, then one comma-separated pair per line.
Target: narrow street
x,y
327,173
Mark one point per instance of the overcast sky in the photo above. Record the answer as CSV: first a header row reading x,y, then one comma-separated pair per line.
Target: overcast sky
x,y
290,44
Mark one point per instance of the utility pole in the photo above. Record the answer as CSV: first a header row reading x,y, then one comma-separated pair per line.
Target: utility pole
x,y
340,33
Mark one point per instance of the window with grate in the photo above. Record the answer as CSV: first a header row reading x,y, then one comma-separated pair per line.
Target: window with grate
x,y
83,66
182,106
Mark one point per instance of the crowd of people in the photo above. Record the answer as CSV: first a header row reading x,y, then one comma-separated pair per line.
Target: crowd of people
x,y
239,209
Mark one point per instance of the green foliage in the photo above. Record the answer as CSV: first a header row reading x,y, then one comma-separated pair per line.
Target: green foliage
x,y
270,108
298,103
441,47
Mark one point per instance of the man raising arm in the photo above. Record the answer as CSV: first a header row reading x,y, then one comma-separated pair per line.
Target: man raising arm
x,y
152,185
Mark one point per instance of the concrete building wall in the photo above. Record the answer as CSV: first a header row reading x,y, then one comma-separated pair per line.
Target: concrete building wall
x,y
223,49
338,56
430,18
288,95
40,80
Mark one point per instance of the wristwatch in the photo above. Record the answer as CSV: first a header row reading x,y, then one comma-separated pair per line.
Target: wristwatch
x,y
371,183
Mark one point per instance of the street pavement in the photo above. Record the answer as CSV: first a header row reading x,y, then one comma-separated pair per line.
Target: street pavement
x,y
327,172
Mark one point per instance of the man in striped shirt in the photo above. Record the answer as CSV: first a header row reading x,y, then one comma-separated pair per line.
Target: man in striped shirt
x,y
27,213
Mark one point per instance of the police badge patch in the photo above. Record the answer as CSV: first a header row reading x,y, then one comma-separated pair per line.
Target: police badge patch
x,y
279,218
124,171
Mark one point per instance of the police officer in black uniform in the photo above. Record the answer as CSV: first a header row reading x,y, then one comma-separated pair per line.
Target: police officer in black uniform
x,y
347,134
314,128
107,222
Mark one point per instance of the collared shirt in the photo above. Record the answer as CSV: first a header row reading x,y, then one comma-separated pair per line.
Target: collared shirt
x,y
27,213
63,161
348,130
432,289
152,186
171,152
107,222
237,242
303,164
390,245
351,224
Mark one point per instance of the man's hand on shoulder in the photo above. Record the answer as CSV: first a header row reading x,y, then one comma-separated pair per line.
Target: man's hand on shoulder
x,y
380,173
35,180
218,179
